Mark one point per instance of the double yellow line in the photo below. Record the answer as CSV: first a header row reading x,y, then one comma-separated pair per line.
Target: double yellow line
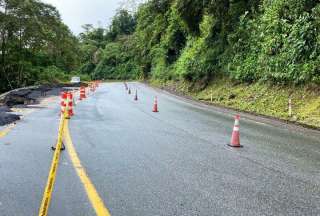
x,y
92,193
53,171
95,199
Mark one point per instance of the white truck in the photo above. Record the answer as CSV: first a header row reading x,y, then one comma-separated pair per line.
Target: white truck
x,y
75,80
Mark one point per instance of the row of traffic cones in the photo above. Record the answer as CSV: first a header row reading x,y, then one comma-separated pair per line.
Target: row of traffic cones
x,y
155,104
68,100
235,138
92,87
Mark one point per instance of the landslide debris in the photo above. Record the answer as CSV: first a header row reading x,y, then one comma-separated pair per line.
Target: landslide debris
x,y
26,96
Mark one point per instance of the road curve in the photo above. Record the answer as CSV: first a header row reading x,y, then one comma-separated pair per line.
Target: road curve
x,y
175,162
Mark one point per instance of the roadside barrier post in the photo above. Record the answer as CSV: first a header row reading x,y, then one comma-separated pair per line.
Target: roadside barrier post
x,y
235,139
290,107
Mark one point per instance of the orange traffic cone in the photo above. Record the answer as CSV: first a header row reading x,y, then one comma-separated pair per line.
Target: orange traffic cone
x,y
67,108
70,104
82,93
136,96
235,139
63,103
155,105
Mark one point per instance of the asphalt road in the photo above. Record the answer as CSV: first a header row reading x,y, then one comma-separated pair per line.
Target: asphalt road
x,y
175,162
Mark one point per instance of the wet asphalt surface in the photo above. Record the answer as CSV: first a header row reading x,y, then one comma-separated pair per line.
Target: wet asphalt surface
x,y
175,162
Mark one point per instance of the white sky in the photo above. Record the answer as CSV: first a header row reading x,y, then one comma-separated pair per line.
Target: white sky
x,y
76,13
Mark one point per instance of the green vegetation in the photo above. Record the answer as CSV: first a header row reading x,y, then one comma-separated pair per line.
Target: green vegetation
x,y
35,46
253,55
261,98
109,53
244,48
245,40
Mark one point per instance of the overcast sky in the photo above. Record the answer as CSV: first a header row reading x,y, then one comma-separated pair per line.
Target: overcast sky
x,y
75,13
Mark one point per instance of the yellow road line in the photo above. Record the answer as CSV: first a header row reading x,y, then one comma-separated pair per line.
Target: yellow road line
x,y
43,211
5,131
92,193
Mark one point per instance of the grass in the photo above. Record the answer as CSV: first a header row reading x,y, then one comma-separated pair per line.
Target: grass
x,y
258,98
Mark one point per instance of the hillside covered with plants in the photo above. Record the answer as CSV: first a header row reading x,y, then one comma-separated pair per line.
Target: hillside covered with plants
x,y
35,45
251,55
276,41
247,41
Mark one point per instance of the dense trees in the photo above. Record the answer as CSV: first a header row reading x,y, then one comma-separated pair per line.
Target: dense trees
x,y
247,40
109,53
33,38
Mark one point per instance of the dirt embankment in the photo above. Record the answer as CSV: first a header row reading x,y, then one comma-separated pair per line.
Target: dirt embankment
x,y
21,98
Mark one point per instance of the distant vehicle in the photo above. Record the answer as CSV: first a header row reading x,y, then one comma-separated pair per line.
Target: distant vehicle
x,y
75,80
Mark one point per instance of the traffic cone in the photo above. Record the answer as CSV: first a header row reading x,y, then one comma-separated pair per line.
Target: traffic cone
x,y
235,139
129,92
136,96
70,104
67,110
155,105
82,93
63,103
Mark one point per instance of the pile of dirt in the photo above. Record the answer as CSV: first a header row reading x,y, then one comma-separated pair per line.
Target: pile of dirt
x,y
5,109
28,96
18,97
7,118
